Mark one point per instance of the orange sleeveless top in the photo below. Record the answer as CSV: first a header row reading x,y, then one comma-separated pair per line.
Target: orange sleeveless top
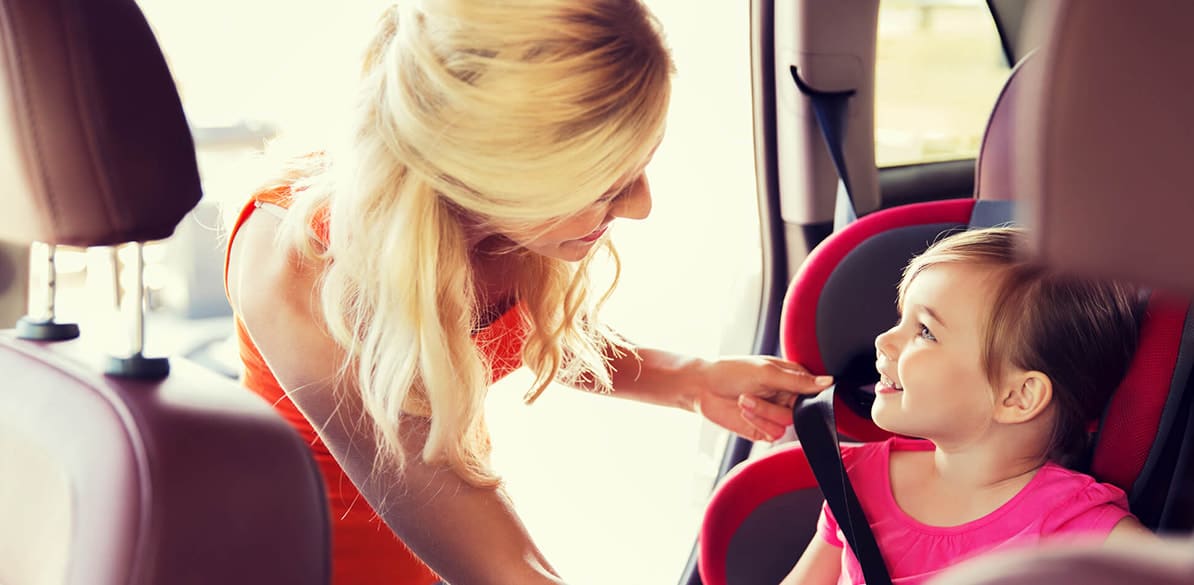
x,y
364,550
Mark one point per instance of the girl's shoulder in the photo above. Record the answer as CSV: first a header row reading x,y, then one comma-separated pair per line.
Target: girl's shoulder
x,y
1070,501
870,465
1057,480
882,453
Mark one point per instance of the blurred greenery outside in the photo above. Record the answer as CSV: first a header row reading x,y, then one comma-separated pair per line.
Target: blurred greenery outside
x,y
612,491
939,67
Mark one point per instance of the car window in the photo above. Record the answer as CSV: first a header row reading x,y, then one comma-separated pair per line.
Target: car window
x,y
939,67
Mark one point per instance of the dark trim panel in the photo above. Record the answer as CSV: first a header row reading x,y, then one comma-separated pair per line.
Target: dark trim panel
x,y
1009,21
775,255
926,182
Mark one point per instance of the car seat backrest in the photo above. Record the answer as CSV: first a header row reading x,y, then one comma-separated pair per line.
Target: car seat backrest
x,y
1139,443
1145,440
844,295
841,298
124,474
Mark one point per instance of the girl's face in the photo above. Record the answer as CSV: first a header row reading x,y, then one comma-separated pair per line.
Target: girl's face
x,y
932,382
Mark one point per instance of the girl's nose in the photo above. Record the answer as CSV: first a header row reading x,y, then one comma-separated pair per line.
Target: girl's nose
x,y
885,344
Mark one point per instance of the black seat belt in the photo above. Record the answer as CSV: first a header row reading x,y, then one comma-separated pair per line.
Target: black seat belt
x,y
829,107
815,427
813,416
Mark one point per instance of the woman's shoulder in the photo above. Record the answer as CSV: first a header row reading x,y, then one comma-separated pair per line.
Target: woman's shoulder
x,y
271,286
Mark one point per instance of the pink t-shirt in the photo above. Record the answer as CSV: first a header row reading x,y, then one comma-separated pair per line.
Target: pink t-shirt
x,y
1057,503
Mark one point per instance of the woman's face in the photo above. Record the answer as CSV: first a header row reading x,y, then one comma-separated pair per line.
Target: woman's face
x,y
571,238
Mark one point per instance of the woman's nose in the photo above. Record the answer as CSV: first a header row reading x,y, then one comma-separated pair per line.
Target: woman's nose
x,y
636,203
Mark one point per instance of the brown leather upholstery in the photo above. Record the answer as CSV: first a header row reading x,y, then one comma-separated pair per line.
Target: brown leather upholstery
x,y
189,479
1106,142
103,480
94,134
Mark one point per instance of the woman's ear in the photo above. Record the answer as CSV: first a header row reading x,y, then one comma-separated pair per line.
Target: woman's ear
x,y
1025,396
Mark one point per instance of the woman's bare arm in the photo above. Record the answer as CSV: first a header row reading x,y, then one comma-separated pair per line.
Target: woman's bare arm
x,y
464,533
749,395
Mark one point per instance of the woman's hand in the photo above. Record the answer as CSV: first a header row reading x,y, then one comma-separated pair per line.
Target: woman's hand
x,y
753,395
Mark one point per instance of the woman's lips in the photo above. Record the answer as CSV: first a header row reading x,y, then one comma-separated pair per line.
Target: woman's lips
x,y
596,234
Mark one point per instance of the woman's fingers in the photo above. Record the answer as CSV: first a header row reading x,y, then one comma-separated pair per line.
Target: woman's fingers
x,y
771,412
799,381
768,394
768,417
777,410
769,429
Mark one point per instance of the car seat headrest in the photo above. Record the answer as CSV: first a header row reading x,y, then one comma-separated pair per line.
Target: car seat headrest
x,y
94,146
994,167
1104,148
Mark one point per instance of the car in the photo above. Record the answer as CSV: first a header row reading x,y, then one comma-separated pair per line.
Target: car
x,y
746,191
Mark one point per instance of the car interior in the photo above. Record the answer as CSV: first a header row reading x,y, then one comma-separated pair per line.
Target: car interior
x,y
831,316
832,310
123,460
117,465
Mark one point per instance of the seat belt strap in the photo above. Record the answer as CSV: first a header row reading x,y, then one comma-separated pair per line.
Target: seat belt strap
x,y
830,109
815,427
813,416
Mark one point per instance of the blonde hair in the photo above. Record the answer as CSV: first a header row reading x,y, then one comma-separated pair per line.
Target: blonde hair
x,y
506,115
1080,332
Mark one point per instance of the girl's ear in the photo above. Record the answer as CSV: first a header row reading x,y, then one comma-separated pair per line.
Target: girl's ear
x,y
1025,396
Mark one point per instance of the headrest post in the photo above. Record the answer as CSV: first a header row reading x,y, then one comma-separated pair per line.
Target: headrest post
x,y
134,302
136,365
39,324
51,286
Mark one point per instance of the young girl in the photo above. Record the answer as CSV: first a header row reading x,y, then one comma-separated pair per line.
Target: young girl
x,y
998,365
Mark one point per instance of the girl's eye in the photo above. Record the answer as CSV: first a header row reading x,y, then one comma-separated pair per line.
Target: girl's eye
x,y
926,334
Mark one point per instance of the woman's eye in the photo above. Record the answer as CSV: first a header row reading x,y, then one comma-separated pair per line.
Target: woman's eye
x,y
612,196
926,334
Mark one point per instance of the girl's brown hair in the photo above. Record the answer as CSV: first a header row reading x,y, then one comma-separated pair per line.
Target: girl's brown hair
x,y
1080,332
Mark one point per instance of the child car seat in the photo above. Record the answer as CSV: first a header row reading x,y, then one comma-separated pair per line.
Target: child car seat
x,y
764,513
1106,147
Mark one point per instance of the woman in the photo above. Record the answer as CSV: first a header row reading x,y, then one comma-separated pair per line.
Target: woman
x,y
379,288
